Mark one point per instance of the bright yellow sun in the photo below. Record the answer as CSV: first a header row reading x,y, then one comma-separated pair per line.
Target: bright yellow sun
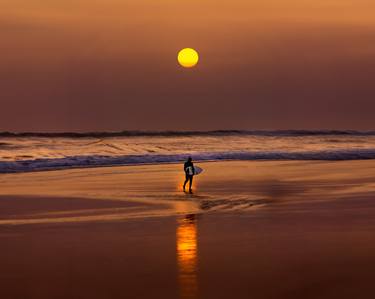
x,y
188,57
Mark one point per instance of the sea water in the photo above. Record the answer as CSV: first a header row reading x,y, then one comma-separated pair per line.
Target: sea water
x,y
37,151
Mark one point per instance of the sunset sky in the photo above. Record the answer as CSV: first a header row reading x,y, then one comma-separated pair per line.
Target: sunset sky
x,y
80,65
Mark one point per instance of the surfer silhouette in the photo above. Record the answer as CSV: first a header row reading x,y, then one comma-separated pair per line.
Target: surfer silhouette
x,y
189,173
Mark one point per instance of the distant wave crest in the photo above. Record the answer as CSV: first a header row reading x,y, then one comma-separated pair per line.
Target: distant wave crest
x,y
289,133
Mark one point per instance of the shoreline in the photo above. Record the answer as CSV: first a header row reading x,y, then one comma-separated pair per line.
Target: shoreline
x,y
155,190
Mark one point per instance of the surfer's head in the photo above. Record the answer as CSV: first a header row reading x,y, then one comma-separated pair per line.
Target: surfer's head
x,y
190,159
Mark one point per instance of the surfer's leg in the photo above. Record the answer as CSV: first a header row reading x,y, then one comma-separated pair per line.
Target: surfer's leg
x,y
190,183
186,180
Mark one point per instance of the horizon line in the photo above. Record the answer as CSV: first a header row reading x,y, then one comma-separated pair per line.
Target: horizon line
x,y
134,133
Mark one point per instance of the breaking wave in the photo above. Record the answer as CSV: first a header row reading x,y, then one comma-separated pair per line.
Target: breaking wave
x,y
98,160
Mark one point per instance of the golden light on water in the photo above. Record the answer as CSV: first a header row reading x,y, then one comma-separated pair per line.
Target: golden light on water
x,y
187,256
188,57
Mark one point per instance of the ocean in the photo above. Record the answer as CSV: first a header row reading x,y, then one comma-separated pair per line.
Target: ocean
x,y
24,152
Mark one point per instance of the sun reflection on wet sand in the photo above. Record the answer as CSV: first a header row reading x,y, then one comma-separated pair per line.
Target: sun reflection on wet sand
x,y
187,256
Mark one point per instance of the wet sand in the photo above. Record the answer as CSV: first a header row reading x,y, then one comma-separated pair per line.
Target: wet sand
x,y
251,230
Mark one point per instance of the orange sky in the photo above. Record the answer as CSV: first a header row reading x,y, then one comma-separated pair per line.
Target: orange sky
x,y
82,65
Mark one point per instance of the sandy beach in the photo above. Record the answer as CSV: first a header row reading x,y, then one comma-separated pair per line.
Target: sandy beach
x,y
285,229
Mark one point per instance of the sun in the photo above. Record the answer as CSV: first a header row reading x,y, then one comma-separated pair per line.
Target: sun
x,y
188,57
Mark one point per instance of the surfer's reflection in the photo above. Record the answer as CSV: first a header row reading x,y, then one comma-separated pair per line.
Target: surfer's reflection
x,y
187,254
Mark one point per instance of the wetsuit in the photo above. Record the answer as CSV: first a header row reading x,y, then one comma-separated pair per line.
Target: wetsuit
x,y
189,174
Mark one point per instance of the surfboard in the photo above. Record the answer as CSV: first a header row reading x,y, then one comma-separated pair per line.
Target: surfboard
x,y
198,170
